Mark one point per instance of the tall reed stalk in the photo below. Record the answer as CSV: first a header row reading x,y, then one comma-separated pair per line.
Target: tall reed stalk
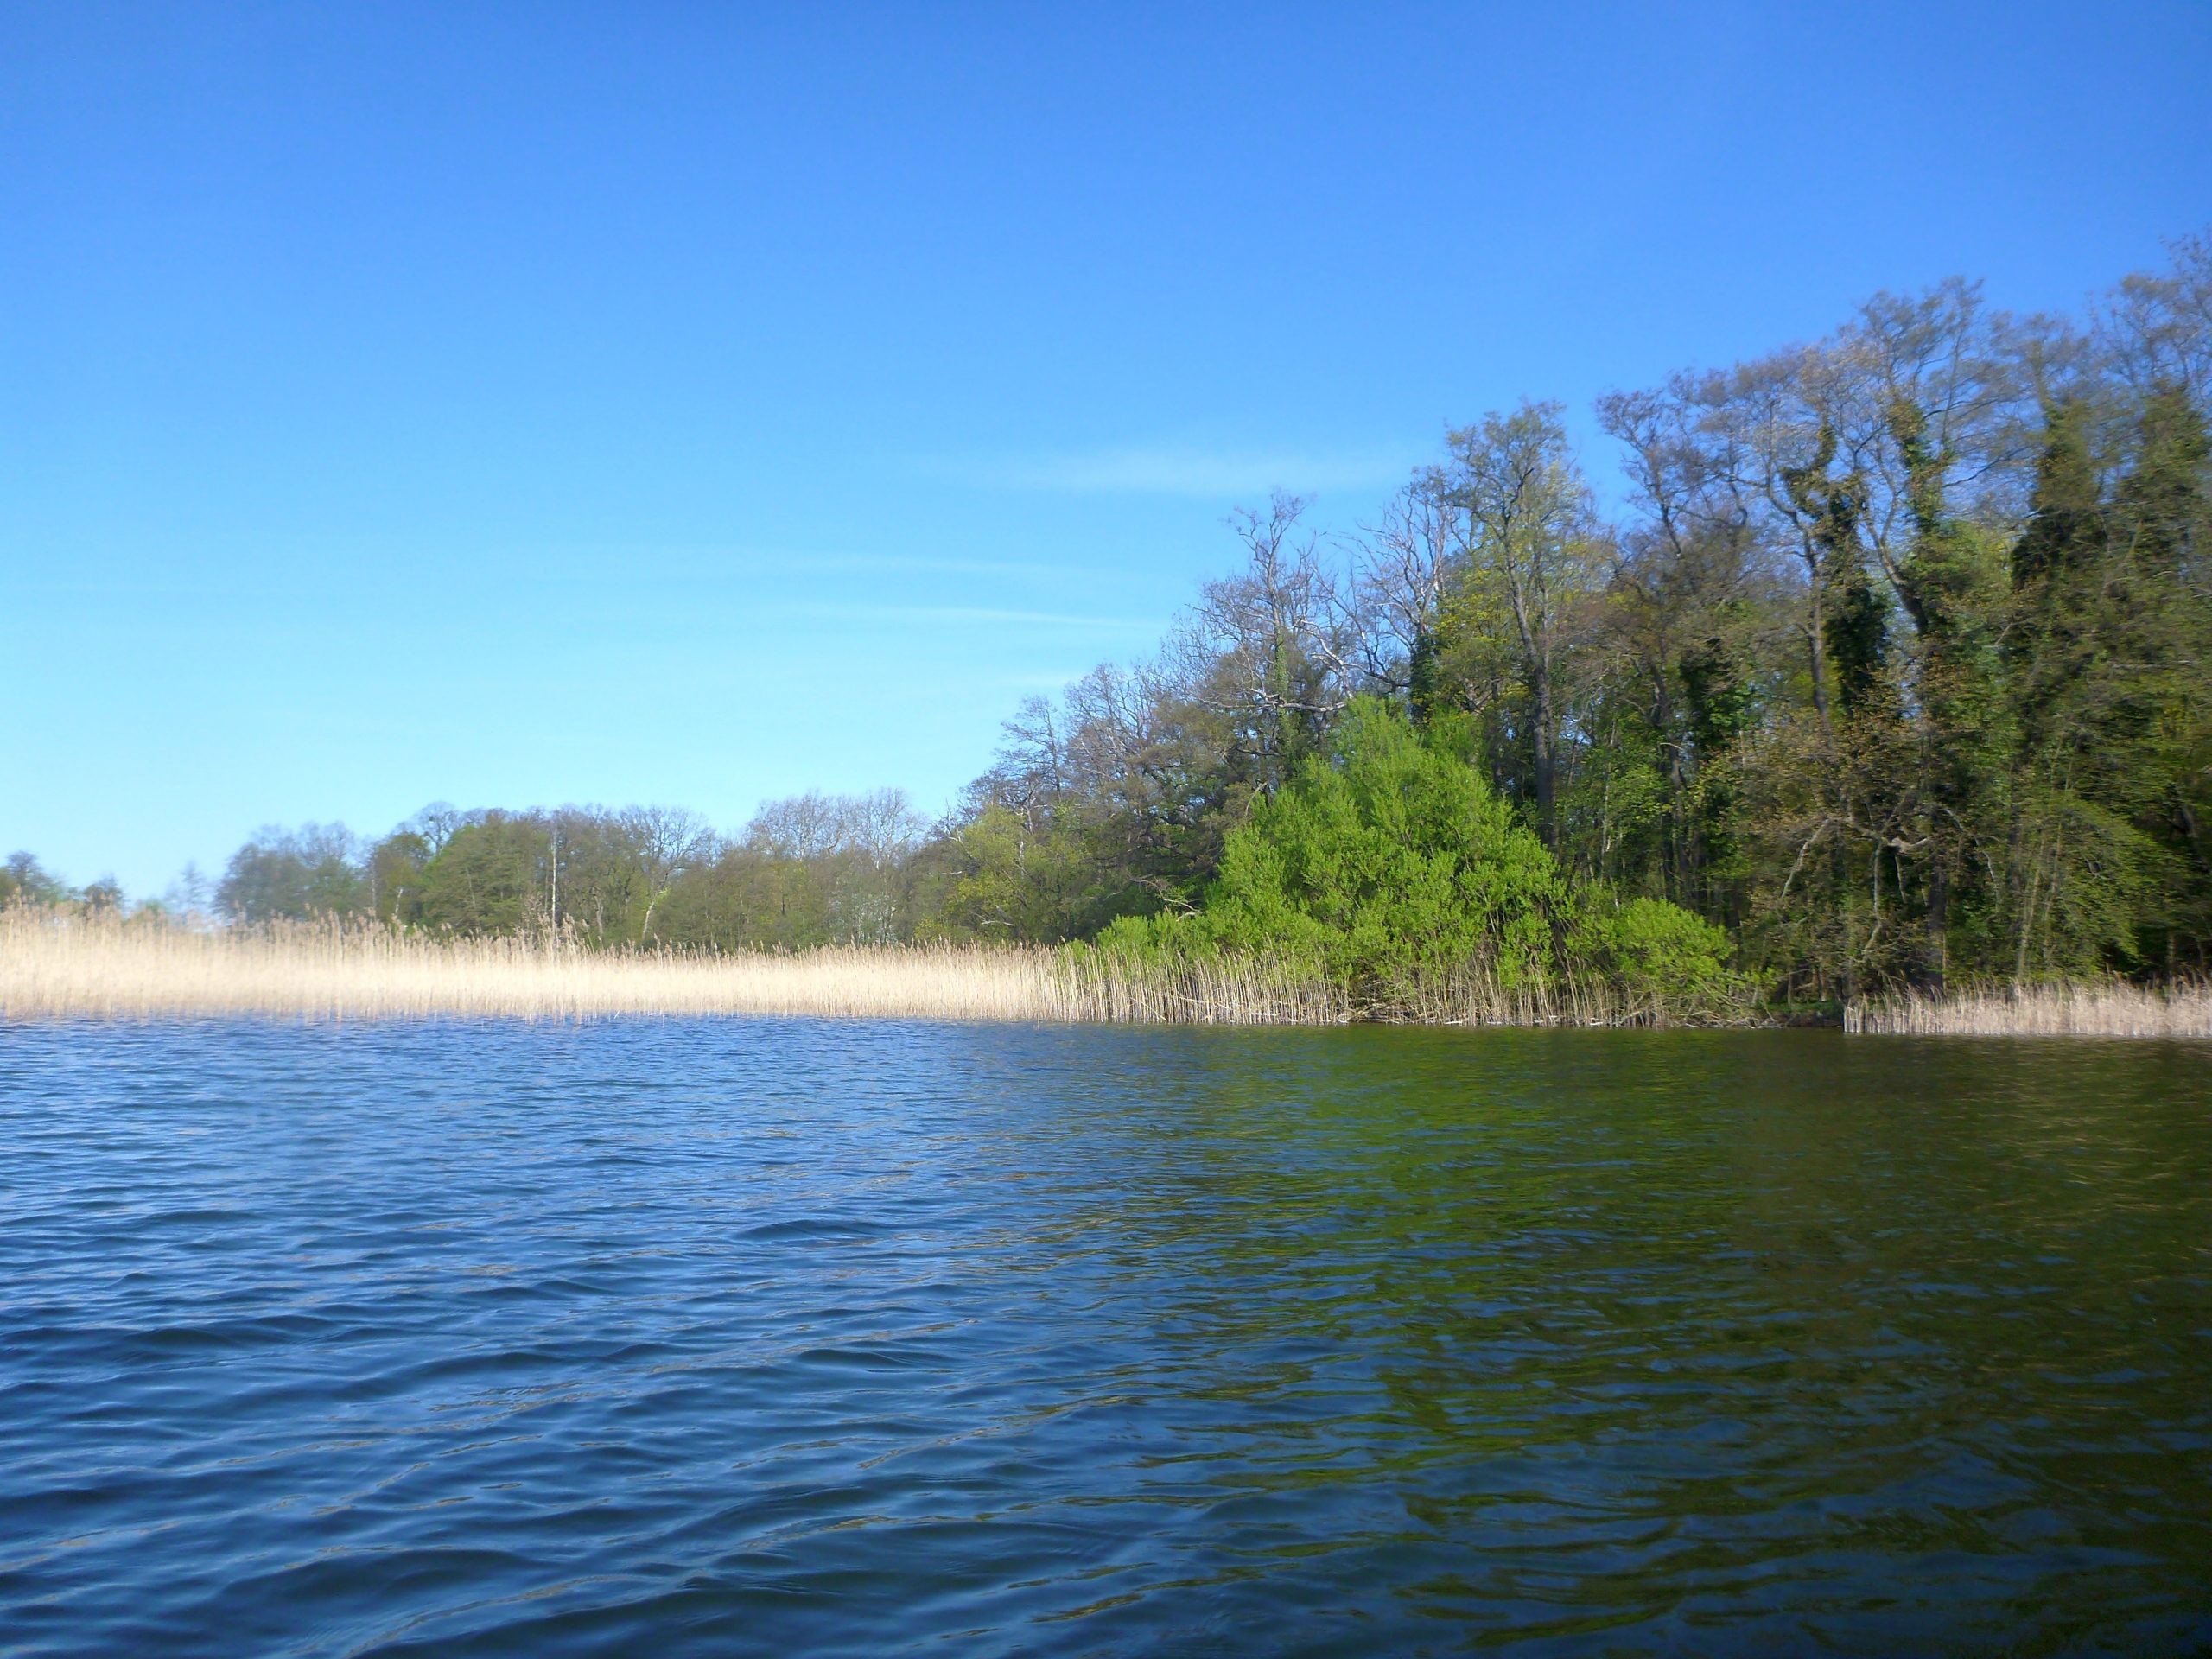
x,y
2101,1009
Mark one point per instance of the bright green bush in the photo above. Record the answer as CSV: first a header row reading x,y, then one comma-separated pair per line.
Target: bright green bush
x,y
1389,866
1653,952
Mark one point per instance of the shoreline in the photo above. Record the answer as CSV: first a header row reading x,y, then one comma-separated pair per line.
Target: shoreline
x,y
64,966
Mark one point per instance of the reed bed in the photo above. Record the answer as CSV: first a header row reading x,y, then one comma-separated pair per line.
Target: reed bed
x,y
2105,1008
60,964
1479,999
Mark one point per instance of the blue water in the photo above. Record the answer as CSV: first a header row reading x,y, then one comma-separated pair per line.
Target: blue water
x,y
781,1336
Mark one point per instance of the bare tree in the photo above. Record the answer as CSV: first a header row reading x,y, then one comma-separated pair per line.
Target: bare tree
x,y
666,841
2156,327
1275,647
1405,567
1935,414
1534,547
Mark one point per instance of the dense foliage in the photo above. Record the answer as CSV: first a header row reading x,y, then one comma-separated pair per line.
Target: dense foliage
x,y
1387,862
1891,666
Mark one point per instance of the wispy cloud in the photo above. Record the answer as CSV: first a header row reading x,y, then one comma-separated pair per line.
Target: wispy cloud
x,y
977,615
1168,469
693,558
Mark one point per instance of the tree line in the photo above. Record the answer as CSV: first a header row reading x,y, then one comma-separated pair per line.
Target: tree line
x,y
1894,661
811,870
1888,661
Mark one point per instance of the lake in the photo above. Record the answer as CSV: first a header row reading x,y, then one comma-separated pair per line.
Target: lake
x,y
787,1336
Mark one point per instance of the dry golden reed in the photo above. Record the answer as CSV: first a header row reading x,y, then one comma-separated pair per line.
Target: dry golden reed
x,y
58,964
2107,1008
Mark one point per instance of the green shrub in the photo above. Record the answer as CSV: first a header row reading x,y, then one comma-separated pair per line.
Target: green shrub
x,y
1389,866
1653,952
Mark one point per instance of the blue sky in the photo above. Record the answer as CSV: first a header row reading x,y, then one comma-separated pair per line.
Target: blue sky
x,y
689,404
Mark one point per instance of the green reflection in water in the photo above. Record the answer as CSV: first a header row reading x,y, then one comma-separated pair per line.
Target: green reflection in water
x,y
1624,1325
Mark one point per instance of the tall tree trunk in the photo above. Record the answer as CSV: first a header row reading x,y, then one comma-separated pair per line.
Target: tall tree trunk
x,y
1939,918
1816,639
1546,786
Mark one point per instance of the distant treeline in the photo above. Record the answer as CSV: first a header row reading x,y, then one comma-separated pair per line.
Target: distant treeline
x,y
813,870
1893,665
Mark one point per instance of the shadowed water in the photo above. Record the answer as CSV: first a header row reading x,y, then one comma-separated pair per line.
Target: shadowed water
x,y
779,1336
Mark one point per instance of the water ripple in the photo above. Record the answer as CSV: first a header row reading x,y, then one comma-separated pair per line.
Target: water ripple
x,y
779,1336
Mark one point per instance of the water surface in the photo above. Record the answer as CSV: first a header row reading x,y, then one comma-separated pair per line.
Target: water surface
x,y
781,1336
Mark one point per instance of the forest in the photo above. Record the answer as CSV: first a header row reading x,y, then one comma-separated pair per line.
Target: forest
x,y
1882,663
